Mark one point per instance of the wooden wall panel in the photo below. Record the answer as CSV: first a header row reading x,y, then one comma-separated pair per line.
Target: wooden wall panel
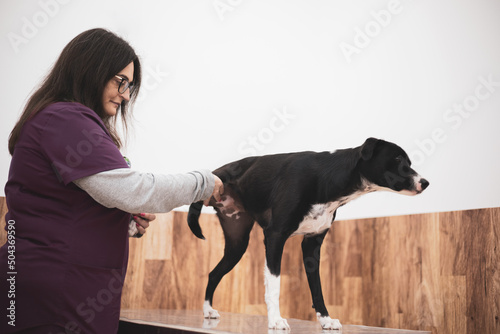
x,y
437,271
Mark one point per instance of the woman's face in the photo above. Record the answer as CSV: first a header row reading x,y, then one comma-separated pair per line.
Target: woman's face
x,y
112,98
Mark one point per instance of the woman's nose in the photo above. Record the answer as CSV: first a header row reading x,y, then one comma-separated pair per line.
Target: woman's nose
x,y
126,94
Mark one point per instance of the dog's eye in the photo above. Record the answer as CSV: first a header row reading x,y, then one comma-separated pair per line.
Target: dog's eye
x,y
399,159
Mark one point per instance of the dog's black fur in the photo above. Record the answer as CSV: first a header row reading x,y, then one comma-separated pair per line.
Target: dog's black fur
x,y
279,192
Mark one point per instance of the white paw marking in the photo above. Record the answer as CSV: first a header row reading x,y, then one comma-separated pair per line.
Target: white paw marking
x,y
278,323
272,296
328,323
209,312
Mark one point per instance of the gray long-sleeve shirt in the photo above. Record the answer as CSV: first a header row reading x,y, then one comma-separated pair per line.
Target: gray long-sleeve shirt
x,y
136,192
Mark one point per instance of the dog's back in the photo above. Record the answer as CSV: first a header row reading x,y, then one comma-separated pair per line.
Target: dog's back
x,y
252,185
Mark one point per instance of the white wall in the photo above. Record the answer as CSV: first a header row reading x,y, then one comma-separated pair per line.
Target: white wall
x,y
217,74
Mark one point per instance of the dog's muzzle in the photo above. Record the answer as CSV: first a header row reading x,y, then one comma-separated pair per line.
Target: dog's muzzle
x,y
420,184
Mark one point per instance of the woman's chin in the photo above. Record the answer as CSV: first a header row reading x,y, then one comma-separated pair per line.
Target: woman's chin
x,y
111,111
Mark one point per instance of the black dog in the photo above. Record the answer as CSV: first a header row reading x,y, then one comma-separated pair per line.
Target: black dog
x,y
298,193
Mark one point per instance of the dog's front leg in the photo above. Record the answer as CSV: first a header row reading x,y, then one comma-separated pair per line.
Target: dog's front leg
x,y
311,249
274,252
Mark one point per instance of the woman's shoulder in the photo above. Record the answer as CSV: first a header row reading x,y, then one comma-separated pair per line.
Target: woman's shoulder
x,y
68,112
68,108
69,116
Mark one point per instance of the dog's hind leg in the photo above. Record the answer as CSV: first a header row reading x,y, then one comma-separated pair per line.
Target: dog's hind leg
x,y
311,249
237,234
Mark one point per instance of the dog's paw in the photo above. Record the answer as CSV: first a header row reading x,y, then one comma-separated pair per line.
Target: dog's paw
x,y
212,314
278,323
328,323
209,312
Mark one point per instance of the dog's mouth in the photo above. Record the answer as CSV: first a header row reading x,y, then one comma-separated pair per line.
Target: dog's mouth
x,y
418,186
409,192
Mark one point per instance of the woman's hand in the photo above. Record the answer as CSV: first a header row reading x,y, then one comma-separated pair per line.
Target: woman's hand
x,y
218,190
142,221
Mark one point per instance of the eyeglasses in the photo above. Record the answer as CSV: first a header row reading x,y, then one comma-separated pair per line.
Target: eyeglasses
x,y
124,84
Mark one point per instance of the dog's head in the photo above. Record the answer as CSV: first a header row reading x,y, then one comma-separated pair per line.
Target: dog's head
x,y
387,166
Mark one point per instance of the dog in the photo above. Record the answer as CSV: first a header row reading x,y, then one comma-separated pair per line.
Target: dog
x,y
297,194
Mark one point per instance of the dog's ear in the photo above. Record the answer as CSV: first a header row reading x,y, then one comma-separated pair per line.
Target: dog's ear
x,y
368,148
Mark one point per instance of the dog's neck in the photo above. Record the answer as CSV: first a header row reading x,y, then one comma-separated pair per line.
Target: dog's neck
x,y
364,187
344,179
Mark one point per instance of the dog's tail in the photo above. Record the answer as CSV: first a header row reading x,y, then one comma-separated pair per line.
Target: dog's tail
x,y
193,216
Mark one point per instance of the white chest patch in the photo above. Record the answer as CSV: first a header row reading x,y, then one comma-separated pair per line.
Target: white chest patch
x,y
318,219
320,216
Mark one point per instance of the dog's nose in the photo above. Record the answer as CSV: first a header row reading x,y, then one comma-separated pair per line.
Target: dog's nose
x,y
424,184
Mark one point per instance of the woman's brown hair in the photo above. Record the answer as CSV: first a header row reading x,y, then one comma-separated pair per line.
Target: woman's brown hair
x,y
80,74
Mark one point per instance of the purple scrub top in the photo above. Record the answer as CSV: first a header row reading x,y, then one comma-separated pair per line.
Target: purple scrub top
x,y
70,253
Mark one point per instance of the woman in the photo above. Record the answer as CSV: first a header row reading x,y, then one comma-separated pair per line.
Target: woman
x,y
70,193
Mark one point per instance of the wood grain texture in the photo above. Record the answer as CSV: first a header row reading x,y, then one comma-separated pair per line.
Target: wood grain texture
x,y
437,272
3,212
188,321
